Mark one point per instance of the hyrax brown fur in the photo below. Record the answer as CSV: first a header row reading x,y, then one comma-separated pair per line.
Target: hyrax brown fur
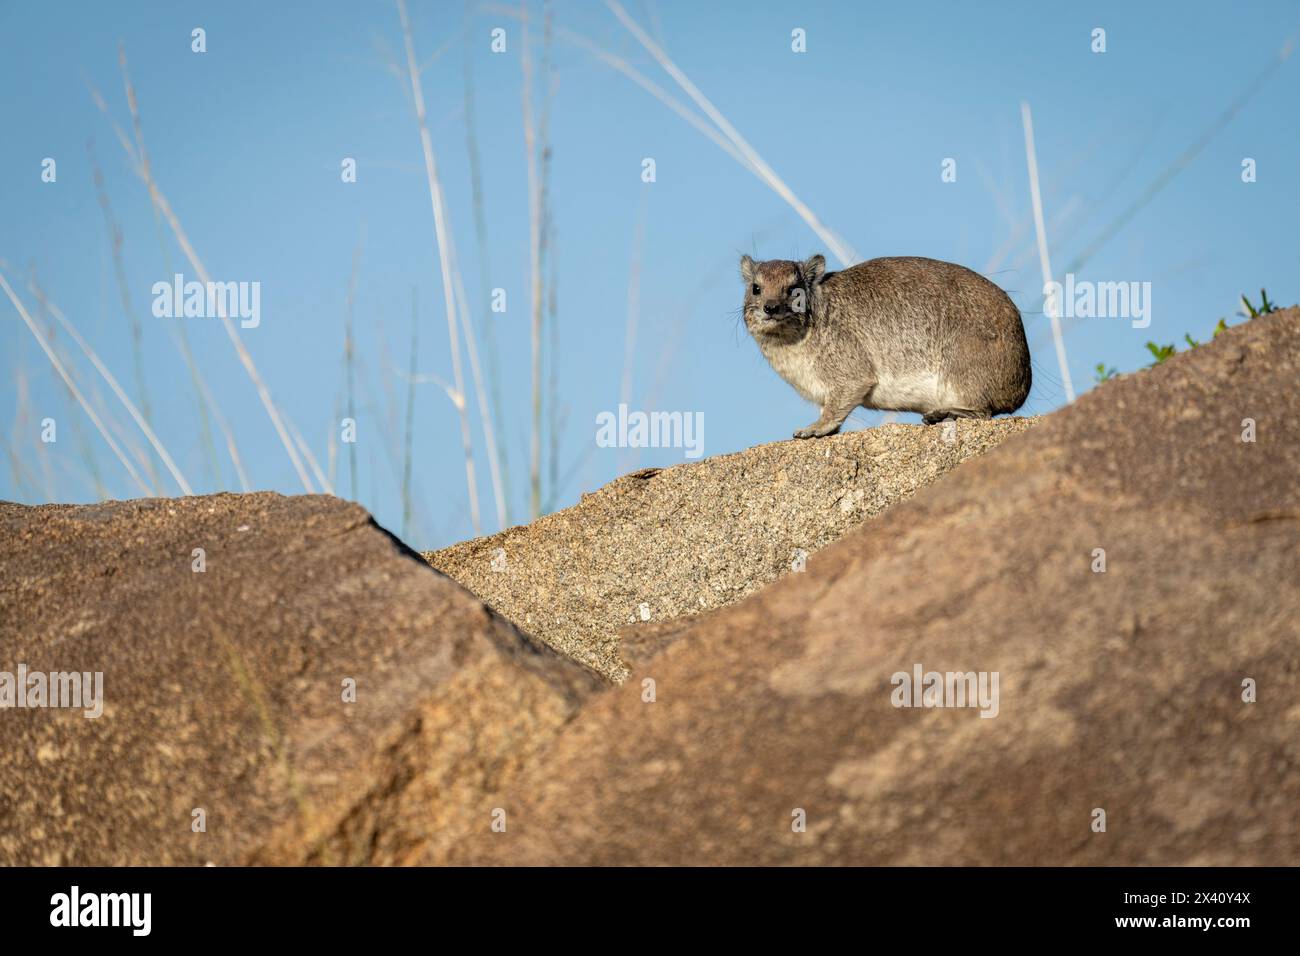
x,y
901,334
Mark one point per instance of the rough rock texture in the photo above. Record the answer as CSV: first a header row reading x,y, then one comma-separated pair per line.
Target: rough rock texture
x,y
659,544
1120,690
224,689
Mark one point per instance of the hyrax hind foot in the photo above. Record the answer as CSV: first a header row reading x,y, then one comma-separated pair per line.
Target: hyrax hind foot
x,y
951,415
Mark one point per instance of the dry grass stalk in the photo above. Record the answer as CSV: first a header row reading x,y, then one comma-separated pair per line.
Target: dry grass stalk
x,y
484,267
410,417
545,250
633,315
557,417
440,230
484,406
88,458
119,270
348,361
1044,259
25,483
640,79
834,243
535,266
117,389
22,419
332,437
326,486
22,477
207,404
143,170
72,387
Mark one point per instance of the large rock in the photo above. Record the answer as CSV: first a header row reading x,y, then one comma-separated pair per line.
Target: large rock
x,y
224,689
657,545
1120,690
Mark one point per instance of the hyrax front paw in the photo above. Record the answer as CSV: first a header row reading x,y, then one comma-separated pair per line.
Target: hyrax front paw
x,y
817,430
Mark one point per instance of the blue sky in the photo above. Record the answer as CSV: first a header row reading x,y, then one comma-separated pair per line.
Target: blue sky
x,y
246,141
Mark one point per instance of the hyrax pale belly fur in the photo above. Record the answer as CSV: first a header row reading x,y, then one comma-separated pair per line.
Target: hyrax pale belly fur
x,y
901,334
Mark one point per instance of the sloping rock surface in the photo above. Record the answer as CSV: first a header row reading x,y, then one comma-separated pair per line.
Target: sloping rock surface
x,y
1126,691
1127,568
224,689
656,545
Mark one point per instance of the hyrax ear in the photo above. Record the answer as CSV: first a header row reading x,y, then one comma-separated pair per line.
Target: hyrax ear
x,y
747,268
813,269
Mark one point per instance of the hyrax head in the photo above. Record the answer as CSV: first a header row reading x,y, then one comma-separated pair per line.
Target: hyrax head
x,y
779,295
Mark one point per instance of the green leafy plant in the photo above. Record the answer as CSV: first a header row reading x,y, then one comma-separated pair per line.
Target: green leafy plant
x,y
1265,307
1161,352
1104,374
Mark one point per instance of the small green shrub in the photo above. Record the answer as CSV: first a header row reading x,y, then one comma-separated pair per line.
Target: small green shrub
x,y
1265,307
1161,352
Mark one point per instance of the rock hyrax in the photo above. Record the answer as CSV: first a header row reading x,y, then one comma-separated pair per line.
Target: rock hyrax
x,y
898,334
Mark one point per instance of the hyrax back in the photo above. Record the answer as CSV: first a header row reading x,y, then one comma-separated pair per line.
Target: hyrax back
x,y
901,334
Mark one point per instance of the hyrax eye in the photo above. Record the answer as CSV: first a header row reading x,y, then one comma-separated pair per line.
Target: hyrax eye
x,y
755,289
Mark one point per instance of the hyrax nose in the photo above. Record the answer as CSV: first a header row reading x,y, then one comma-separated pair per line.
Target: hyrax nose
x,y
771,308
